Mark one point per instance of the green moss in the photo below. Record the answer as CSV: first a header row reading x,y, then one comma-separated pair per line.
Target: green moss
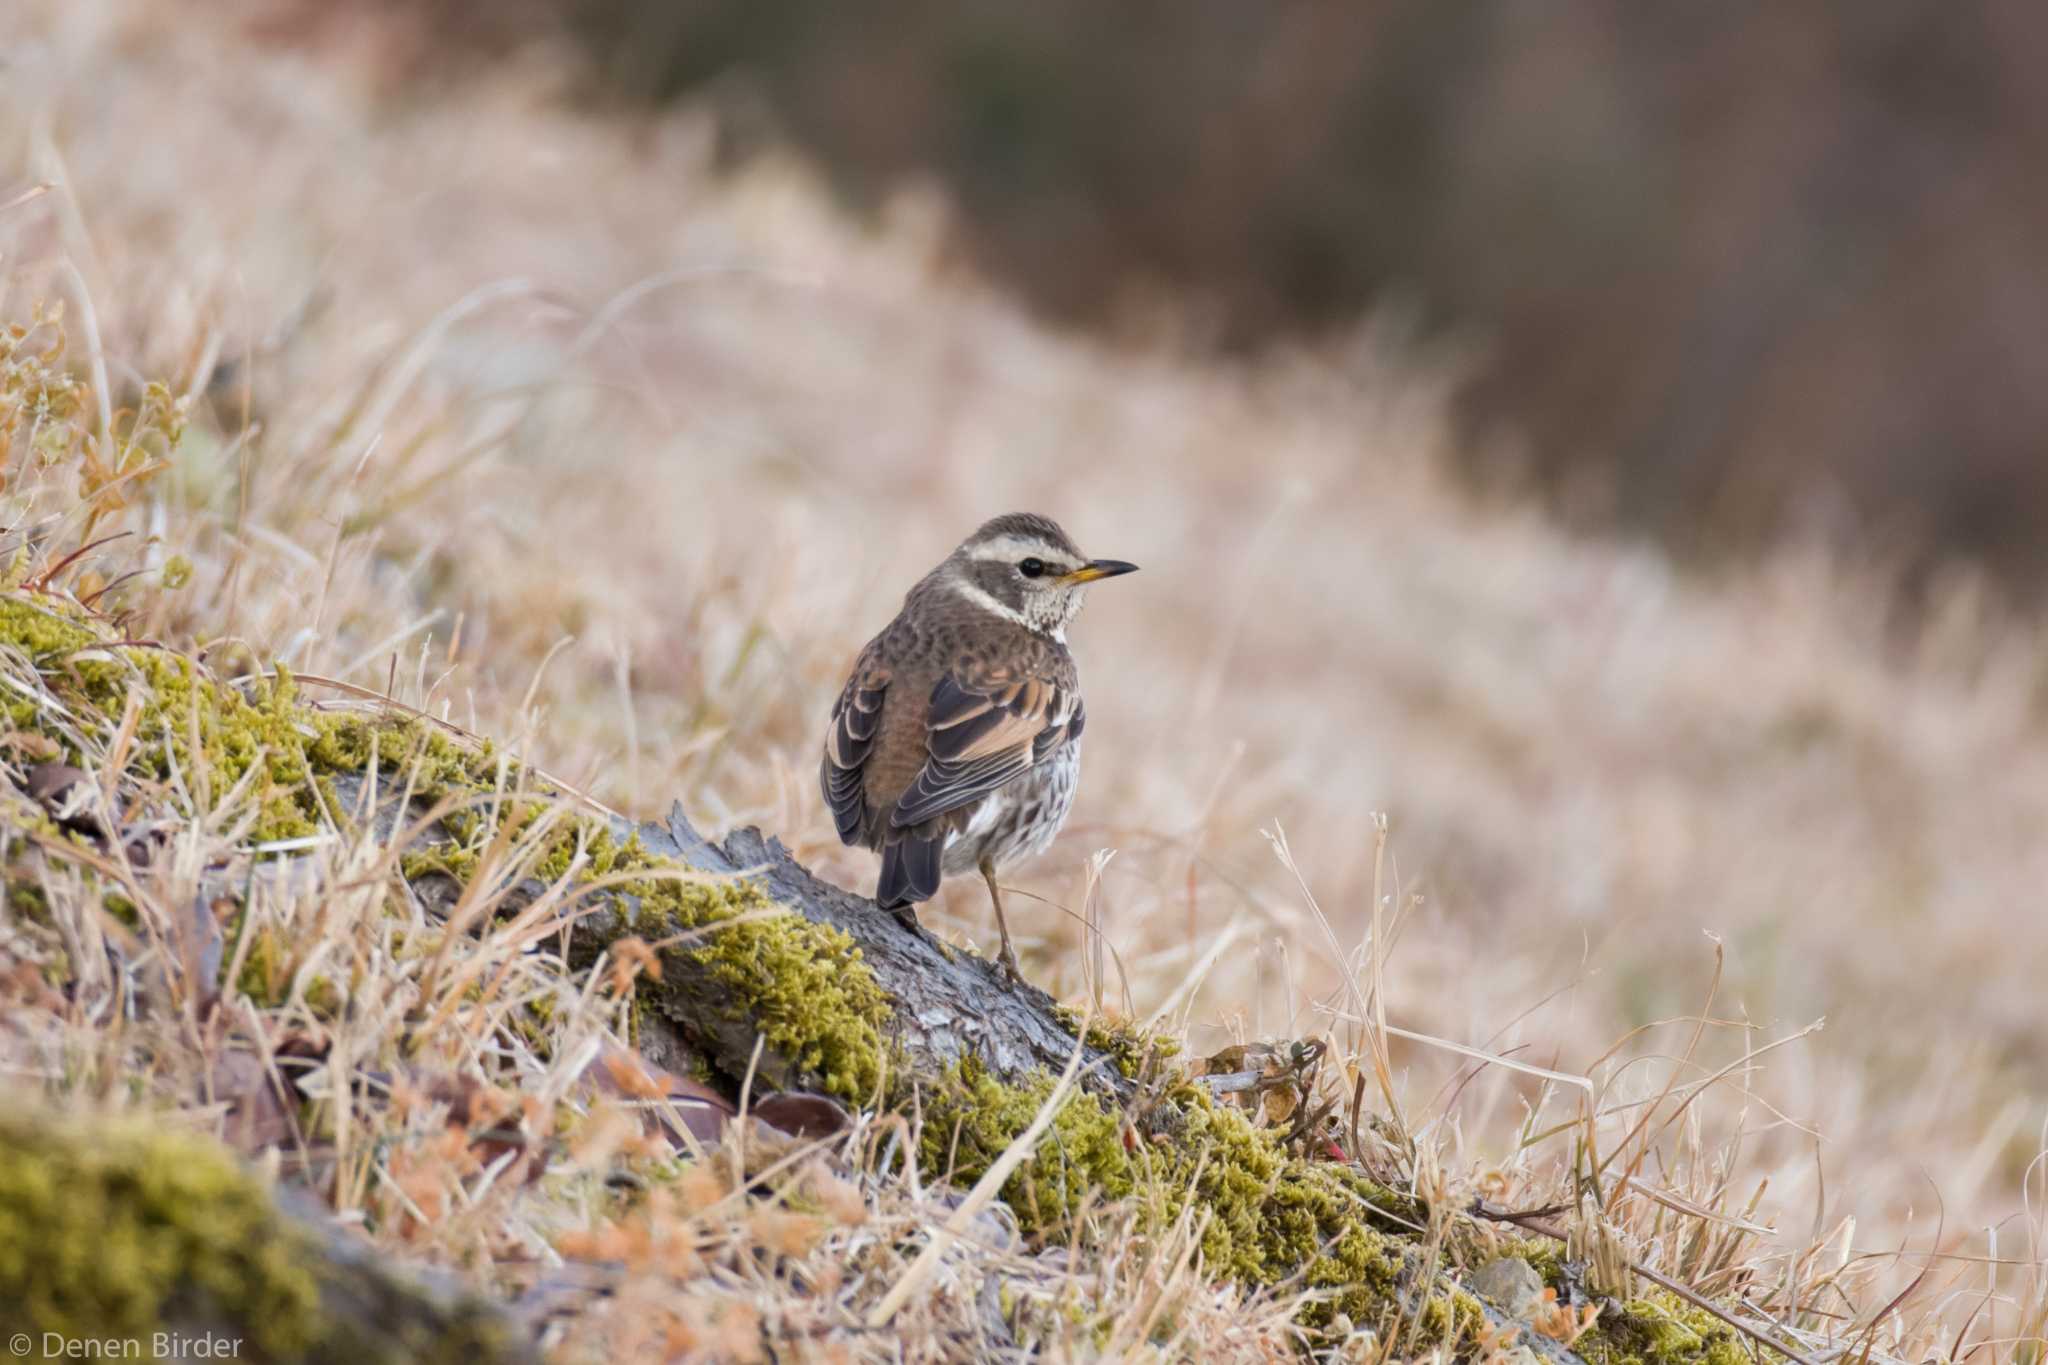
x,y
264,976
1133,1050
601,854
1452,1316
415,751
1659,1328
1270,1217
971,1123
211,733
324,998
1545,1255
117,1232
269,967
42,633
801,986
534,1023
213,737
25,898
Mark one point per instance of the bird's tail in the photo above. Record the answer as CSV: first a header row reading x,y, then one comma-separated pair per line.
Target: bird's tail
x,y
910,871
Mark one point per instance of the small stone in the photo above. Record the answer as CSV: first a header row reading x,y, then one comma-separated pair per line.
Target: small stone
x,y
1512,1284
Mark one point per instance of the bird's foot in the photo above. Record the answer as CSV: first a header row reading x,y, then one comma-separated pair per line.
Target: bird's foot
x,y
1006,962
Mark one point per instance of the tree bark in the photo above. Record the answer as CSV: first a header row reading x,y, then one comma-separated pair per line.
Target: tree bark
x,y
949,1004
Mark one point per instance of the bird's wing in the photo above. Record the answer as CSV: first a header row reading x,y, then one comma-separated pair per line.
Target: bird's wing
x,y
856,720
982,733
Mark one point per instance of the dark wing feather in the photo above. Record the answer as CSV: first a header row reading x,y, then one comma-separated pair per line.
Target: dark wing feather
x,y
910,870
982,736
856,719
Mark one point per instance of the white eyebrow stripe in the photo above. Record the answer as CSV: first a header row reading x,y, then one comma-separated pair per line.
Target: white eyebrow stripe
x,y
1010,549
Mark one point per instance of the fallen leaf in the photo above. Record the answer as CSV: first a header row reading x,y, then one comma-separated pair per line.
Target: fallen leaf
x,y
627,1075
801,1113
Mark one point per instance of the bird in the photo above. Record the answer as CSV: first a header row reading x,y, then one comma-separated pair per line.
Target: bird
x,y
955,745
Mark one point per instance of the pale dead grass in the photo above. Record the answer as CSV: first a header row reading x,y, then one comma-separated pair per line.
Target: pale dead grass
x,y
527,416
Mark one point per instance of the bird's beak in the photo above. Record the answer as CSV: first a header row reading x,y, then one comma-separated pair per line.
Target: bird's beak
x,y
1097,568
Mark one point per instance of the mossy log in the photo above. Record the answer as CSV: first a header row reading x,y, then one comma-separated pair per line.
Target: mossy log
x,y
126,1240
946,1005
933,1007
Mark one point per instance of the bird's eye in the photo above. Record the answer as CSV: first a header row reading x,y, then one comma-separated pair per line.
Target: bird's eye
x,y
1032,568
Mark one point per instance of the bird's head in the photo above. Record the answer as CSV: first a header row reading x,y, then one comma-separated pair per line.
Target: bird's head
x,y
1025,568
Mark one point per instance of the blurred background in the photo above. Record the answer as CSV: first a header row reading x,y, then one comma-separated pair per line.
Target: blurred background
x,y
1733,274
1603,439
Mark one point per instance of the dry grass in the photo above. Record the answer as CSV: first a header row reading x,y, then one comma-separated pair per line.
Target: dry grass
x,y
527,418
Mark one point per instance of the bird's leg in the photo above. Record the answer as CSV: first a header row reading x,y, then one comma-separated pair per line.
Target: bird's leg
x,y
1008,956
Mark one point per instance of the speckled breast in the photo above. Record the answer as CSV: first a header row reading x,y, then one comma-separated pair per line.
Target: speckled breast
x,y
1018,820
